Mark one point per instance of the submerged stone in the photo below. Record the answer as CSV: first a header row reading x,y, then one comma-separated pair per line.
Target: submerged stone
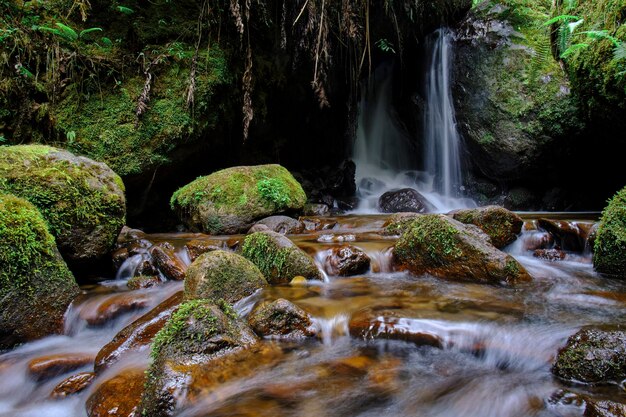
x,y
36,287
231,200
81,200
438,245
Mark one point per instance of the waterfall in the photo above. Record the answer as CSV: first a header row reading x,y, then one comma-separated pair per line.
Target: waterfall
x,y
441,138
384,154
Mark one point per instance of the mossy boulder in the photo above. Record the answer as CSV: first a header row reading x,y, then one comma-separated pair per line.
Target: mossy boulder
x,y
609,255
198,335
501,225
397,223
231,200
281,319
223,275
36,287
81,200
438,245
593,356
278,258
512,99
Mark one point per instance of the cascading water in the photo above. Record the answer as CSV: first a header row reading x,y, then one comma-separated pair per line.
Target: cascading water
x,y
384,156
441,138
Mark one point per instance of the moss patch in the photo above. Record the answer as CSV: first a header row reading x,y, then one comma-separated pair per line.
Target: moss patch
x,y
435,239
79,199
609,254
35,284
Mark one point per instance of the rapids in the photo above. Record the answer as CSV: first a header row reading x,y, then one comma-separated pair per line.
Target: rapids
x,y
432,347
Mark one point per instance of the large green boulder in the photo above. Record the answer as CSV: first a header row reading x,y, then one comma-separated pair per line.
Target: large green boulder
x,y
609,255
193,352
231,200
36,286
221,274
512,99
438,245
501,225
278,258
81,200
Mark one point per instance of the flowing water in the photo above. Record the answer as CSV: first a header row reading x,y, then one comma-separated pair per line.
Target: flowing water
x,y
389,344
383,153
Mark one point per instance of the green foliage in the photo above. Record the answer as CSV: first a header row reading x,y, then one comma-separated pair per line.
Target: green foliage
x,y
67,32
430,235
385,46
125,10
274,190
609,255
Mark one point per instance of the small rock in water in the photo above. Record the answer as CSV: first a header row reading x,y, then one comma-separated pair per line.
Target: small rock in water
x,y
73,385
113,307
47,367
142,281
549,254
404,200
168,262
119,256
298,280
281,319
346,261
279,224
197,247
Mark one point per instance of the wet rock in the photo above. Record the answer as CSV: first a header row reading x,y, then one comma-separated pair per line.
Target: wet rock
x,y
278,258
609,256
230,200
197,340
36,287
593,356
82,200
142,281
346,261
438,245
138,335
591,237
605,409
404,200
197,247
222,275
397,223
113,307
568,236
73,385
564,401
118,257
146,268
316,210
549,254
538,240
166,260
510,131
389,324
128,235
281,224
501,225
46,367
318,224
118,396
281,319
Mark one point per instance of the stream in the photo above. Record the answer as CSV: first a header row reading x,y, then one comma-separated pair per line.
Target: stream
x,y
389,343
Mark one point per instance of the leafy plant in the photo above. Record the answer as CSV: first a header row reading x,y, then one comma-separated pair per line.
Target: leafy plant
x,y
125,10
385,46
67,32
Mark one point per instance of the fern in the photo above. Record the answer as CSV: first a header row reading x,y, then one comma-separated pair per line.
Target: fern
x,y
542,53
573,48
619,52
86,31
67,32
561,18
601,34
125,10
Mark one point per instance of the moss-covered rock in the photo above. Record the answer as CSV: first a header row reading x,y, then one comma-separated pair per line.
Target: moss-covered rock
x,y
593,356
398,223
441,246
223,275
609,255
81,200
231,200
198,334
512,98
36,286
501,225
278,258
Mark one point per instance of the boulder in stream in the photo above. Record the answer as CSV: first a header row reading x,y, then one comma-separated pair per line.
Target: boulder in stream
x,y
438,245
404,200
36,287
501,225
81,200
281,224
231,200
593,356
346,261
166,260
222,275
278,258
118,396
609,255
281,319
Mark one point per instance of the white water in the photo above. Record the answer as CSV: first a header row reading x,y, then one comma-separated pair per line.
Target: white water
x,y
384,155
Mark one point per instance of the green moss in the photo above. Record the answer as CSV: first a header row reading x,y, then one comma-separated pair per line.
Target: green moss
x,y
278,262
104,123
609,255
434,238
248,192
63,190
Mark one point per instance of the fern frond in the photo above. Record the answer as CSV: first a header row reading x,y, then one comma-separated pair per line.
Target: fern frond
x,y
619,52
561,18
601,34
86,31
67,32
573,48
541,53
